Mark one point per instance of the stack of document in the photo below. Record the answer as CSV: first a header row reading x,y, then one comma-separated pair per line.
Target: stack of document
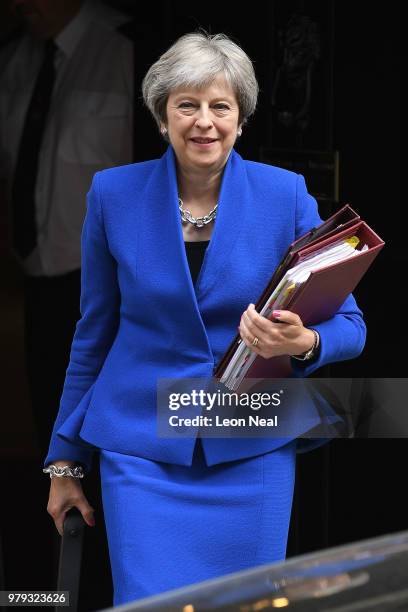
x,y
286,289
317,273
299,274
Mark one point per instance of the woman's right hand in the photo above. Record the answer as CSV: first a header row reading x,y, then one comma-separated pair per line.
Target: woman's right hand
x,y
66,493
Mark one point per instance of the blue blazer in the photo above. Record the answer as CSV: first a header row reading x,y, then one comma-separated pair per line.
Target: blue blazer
x,y
142,317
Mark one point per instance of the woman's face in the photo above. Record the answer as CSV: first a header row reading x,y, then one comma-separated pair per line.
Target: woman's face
x,y
202,125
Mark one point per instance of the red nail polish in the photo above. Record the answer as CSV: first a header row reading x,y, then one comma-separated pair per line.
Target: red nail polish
x,y
276,313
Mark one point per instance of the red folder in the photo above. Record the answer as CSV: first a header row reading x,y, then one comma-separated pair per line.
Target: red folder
x,y
325,290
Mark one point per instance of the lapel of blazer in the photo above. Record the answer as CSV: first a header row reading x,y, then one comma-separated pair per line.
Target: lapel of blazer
x,y
162,226
232,217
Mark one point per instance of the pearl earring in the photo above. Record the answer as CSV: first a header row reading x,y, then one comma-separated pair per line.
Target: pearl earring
x,y
163,131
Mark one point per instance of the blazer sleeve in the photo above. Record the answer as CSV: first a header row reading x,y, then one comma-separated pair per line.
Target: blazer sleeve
x,y
343,336
95,330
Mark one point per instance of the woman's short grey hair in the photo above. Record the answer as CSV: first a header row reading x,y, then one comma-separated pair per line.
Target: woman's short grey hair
x,y
195,60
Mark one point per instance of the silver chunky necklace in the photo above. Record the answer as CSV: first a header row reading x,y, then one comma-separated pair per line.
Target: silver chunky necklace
x,y
186,216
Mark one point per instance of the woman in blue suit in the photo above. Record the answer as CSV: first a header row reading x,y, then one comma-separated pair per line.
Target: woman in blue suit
x,y
174,253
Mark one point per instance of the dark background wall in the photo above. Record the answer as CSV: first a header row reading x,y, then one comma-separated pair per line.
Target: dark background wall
x,y
349,489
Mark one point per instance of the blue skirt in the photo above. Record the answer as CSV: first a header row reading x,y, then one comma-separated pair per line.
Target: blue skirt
x,y
170,526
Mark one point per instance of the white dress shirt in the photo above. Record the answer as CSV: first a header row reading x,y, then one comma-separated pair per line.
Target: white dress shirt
x,y
89,127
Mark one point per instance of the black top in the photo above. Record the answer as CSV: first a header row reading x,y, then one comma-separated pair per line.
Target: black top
x,y
195,254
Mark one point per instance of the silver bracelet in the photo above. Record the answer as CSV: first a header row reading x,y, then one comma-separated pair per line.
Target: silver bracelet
x,y
311,352
66,470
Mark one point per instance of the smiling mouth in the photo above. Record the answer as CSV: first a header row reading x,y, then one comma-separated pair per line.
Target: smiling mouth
x,y
204,140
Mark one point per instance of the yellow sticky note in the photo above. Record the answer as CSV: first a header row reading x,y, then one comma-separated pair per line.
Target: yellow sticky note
x,y
353,241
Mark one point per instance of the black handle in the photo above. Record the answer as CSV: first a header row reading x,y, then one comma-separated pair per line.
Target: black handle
x,y
69,570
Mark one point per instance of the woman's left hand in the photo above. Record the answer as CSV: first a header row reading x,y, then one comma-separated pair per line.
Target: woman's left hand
x,y
287,338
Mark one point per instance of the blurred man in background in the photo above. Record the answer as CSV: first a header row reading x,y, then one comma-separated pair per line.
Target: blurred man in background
x,y
66,111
